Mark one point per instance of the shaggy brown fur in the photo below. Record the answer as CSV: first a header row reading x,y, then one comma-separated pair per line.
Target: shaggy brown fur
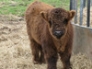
x,y
50,32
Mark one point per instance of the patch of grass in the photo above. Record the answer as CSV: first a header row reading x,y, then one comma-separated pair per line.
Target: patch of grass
x,y
58,3
18,7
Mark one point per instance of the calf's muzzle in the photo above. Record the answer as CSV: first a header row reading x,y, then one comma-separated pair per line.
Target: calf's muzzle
x,y
58,34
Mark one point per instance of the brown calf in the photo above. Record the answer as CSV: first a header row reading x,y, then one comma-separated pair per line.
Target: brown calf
x,y
50,32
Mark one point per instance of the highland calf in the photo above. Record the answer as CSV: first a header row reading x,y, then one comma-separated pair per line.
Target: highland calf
x,y
51,33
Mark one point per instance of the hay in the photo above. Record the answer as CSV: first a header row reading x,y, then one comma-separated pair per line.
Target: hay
x,y
85,17
80,61
15,52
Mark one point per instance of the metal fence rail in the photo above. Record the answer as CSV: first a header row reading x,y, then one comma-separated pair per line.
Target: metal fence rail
x,y
83,4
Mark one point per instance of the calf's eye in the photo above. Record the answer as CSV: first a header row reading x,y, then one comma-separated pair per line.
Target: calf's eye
x,y
65,21
50,23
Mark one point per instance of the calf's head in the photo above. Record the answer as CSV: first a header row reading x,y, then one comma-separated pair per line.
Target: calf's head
x,y
58,20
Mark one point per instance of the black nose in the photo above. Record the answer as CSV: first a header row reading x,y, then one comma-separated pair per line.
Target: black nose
x,y
58,34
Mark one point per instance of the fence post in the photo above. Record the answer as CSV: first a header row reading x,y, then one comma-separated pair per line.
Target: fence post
x,y
91,2
73,6
88,13
81,11
84,3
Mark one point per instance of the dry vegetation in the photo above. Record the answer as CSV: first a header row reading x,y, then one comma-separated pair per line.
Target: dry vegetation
x,y
15,52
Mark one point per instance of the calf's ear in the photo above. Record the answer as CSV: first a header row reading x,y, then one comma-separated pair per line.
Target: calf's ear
x,y
44,15
71,14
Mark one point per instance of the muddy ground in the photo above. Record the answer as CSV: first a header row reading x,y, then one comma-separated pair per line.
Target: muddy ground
x,y
15,52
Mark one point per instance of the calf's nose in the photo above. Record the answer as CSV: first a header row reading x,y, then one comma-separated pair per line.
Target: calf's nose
x,y
58,34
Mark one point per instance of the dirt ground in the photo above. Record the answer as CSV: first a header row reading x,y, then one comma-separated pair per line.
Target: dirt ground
x,y
15,52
